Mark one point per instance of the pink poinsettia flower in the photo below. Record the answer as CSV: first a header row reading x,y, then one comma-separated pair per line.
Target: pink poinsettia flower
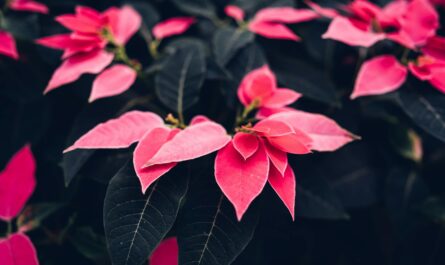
x,y
159,147
172,26
384,74
270,22
167,253
259,89
28,5
17,184
84,49
17,249
258,155
8,46
409,23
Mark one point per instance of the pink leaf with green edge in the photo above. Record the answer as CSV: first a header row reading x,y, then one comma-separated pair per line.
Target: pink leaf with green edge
x,y
120,132
277,157
285,187
246,144
28,5
273,30
258,84
113,81
420,21
147,147
8,46
285,15
124,23
241,180
341,29
234,12
172,26
379,75
17,183
325,133
195,141
281,97
74,67
167,253
17,249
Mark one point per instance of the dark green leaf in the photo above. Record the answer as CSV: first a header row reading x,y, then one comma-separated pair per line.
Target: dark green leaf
x,y
179,82
135,223
89,244
202,8
23,26
149,14
246,60
304,78
227,41
426,109
208,231
316,199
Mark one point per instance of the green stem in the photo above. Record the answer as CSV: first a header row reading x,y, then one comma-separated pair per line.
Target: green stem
x,y
405,54
9,229
247,110
153,48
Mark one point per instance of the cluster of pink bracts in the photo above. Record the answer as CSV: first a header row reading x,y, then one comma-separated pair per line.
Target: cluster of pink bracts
x,y
255,154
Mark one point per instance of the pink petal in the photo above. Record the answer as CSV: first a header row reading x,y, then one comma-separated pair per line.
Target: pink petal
x,y
325,133
420,21
195,141
325,12
379,75
272,30
7,45
124,23
435,47
422,72
113,81
246,144
241,180
198,119
272,128
266,112
72,43
402,38
17,183
167,253
234,12
285,187
341,29
118,133
172,26
364,10
259,84
147,147
285,15
74,67
438,79
60,41
277,157
76,23
28,5
297,143
281,97
17,250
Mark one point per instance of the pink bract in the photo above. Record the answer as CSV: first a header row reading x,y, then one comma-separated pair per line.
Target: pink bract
x,y
167,253
17,183
113,81
7,45
172,26
234,12
17,249
28,5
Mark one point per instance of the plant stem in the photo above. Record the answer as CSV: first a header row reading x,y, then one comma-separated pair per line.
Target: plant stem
x,y
9,229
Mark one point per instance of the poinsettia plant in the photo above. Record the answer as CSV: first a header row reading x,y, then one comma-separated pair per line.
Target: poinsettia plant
x,y
205,132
